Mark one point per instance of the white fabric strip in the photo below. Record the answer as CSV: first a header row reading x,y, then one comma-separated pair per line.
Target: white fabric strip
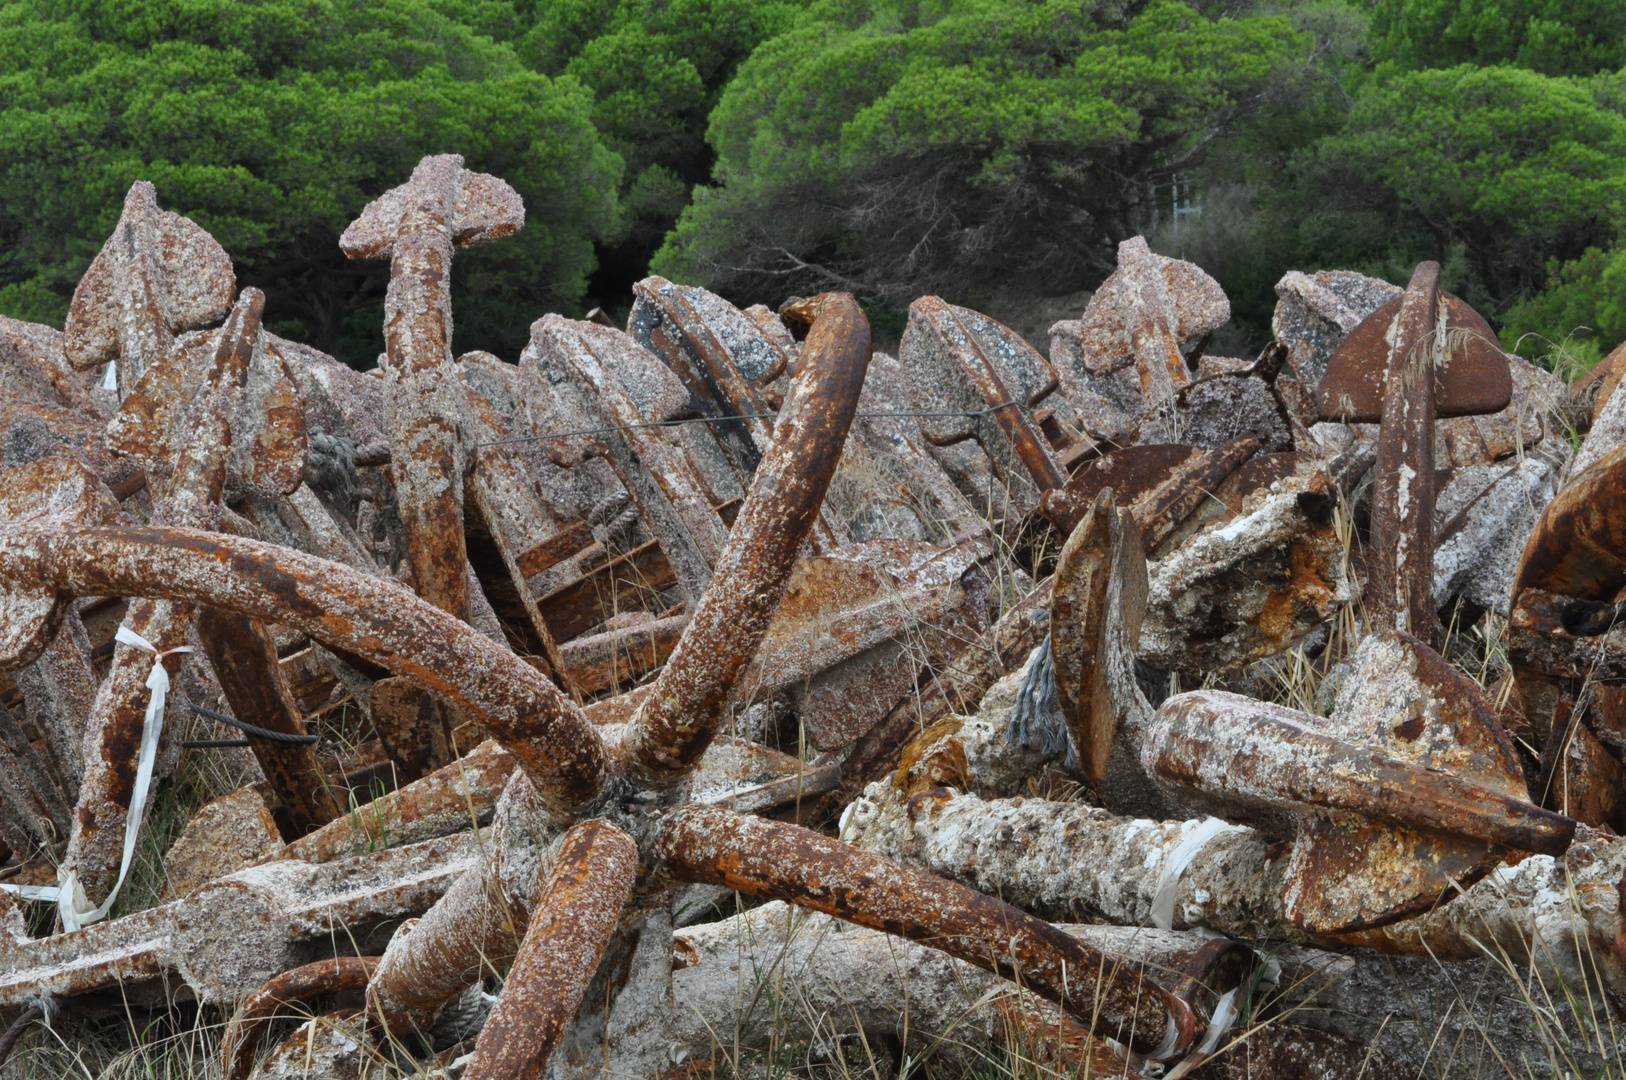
x,y
1168,879
110,381
1225,1012
69,895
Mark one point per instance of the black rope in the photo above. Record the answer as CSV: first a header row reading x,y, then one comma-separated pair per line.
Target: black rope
x,y
211,744
724,420
274,736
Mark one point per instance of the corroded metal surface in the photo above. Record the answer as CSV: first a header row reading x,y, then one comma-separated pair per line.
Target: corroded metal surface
x,y
1400,562
1410,786
557,507
303,984
456,797
471,932
228,938
1100,598
1474,381
674,725
1578,548
158,274
576,910
965,362
416,226
581,377
46,494
231,833
1263,573
373,618
785,862
244,658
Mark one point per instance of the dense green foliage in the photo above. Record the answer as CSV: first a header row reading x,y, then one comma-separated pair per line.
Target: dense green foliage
x,y
994,151
905,149
1554,37
657,68
1584,304
272,124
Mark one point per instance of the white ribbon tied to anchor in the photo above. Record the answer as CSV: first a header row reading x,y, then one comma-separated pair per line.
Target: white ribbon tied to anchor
x,y
110,381
1174,866
69,895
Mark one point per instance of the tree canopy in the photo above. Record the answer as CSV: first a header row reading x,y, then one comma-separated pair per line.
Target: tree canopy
x,y
974,148
898,150
272,124
1554,37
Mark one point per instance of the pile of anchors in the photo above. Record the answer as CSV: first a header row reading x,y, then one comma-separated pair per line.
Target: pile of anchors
x,y
526,670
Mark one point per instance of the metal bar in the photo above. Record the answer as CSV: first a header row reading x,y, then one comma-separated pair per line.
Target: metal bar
x,y
770,858
576,912
373,618
675,724
250,1022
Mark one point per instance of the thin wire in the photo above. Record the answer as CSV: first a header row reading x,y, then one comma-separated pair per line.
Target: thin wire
x,y
721,420
274,736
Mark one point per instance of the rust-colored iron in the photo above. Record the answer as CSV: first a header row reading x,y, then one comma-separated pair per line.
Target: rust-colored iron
x,y
446,801
34,367
412,725
581,377
1410,786
373,618
503,516
243,655
1472,379
1152,339
786,862
228,938
949,351
1161,484
683,337
53,493
611,659
1578,548
1149,320
158,274
873,603
201,438
576,911
252,1019
545,554
675,724
471,932
1400,559
1566,616
627,583
1421,356
1099,601
1131,473
416,226
59,692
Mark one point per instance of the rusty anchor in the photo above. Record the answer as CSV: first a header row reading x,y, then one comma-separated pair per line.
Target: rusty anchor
x,y
1421,356
157,275
1136,345
1408,789
989,381
417,226
724,360
582,377
181,410
431,961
